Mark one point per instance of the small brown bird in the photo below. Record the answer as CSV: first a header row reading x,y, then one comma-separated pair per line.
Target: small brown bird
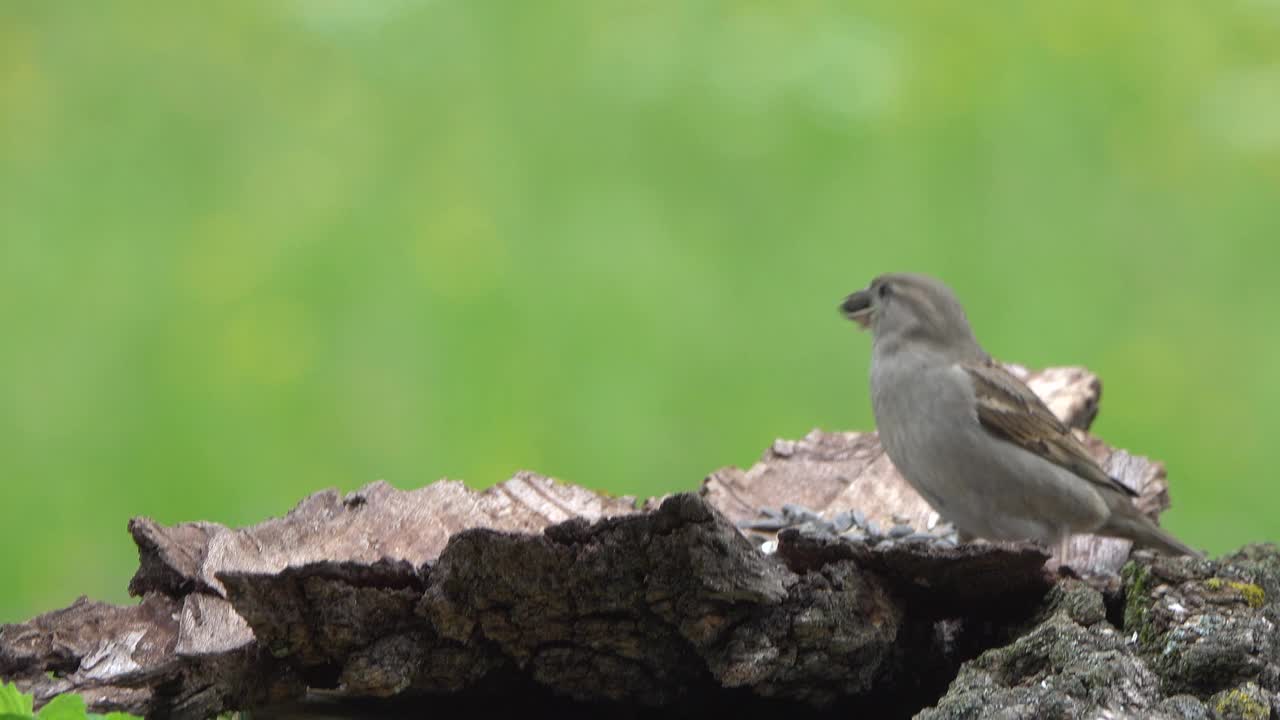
x,y
975,441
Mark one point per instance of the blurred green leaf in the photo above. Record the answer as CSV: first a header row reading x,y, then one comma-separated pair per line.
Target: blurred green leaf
x,y
64,707
13,702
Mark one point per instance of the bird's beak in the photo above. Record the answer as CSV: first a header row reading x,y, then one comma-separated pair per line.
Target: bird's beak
x,y
857,307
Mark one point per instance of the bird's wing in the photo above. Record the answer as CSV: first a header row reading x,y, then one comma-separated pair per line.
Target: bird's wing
x,y
1009,410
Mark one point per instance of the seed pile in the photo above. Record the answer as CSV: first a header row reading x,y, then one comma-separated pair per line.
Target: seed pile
x,y
850,525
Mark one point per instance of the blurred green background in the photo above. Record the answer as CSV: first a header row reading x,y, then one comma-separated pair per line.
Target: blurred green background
x,y
250,250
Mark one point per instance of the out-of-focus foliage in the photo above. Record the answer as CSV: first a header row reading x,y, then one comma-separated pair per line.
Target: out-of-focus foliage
x,y
249,250
16,706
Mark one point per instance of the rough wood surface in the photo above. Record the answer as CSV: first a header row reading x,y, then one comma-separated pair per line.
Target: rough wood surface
x,y
374,523
120,657
649,608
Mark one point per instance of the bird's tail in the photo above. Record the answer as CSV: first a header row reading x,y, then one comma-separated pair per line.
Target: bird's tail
x,y
1127,522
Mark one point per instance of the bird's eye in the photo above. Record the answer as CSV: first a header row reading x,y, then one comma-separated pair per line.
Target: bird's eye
x,y
884,290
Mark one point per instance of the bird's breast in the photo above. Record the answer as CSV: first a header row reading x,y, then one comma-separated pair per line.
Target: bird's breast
x,y
925,414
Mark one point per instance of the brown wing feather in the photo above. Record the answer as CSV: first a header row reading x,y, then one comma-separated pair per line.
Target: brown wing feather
x,y
1008,409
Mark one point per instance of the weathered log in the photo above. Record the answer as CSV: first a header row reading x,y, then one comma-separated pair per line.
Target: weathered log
x,y
537,594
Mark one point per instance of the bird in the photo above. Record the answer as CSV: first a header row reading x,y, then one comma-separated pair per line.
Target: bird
x,y
972,439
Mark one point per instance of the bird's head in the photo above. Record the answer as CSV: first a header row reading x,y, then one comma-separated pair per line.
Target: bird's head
x,y
908,308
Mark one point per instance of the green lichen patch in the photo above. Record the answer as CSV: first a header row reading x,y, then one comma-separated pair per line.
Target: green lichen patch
x,y
1253,594
1246,702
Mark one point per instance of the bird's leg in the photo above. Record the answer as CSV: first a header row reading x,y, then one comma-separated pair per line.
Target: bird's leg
x,y
1064,547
